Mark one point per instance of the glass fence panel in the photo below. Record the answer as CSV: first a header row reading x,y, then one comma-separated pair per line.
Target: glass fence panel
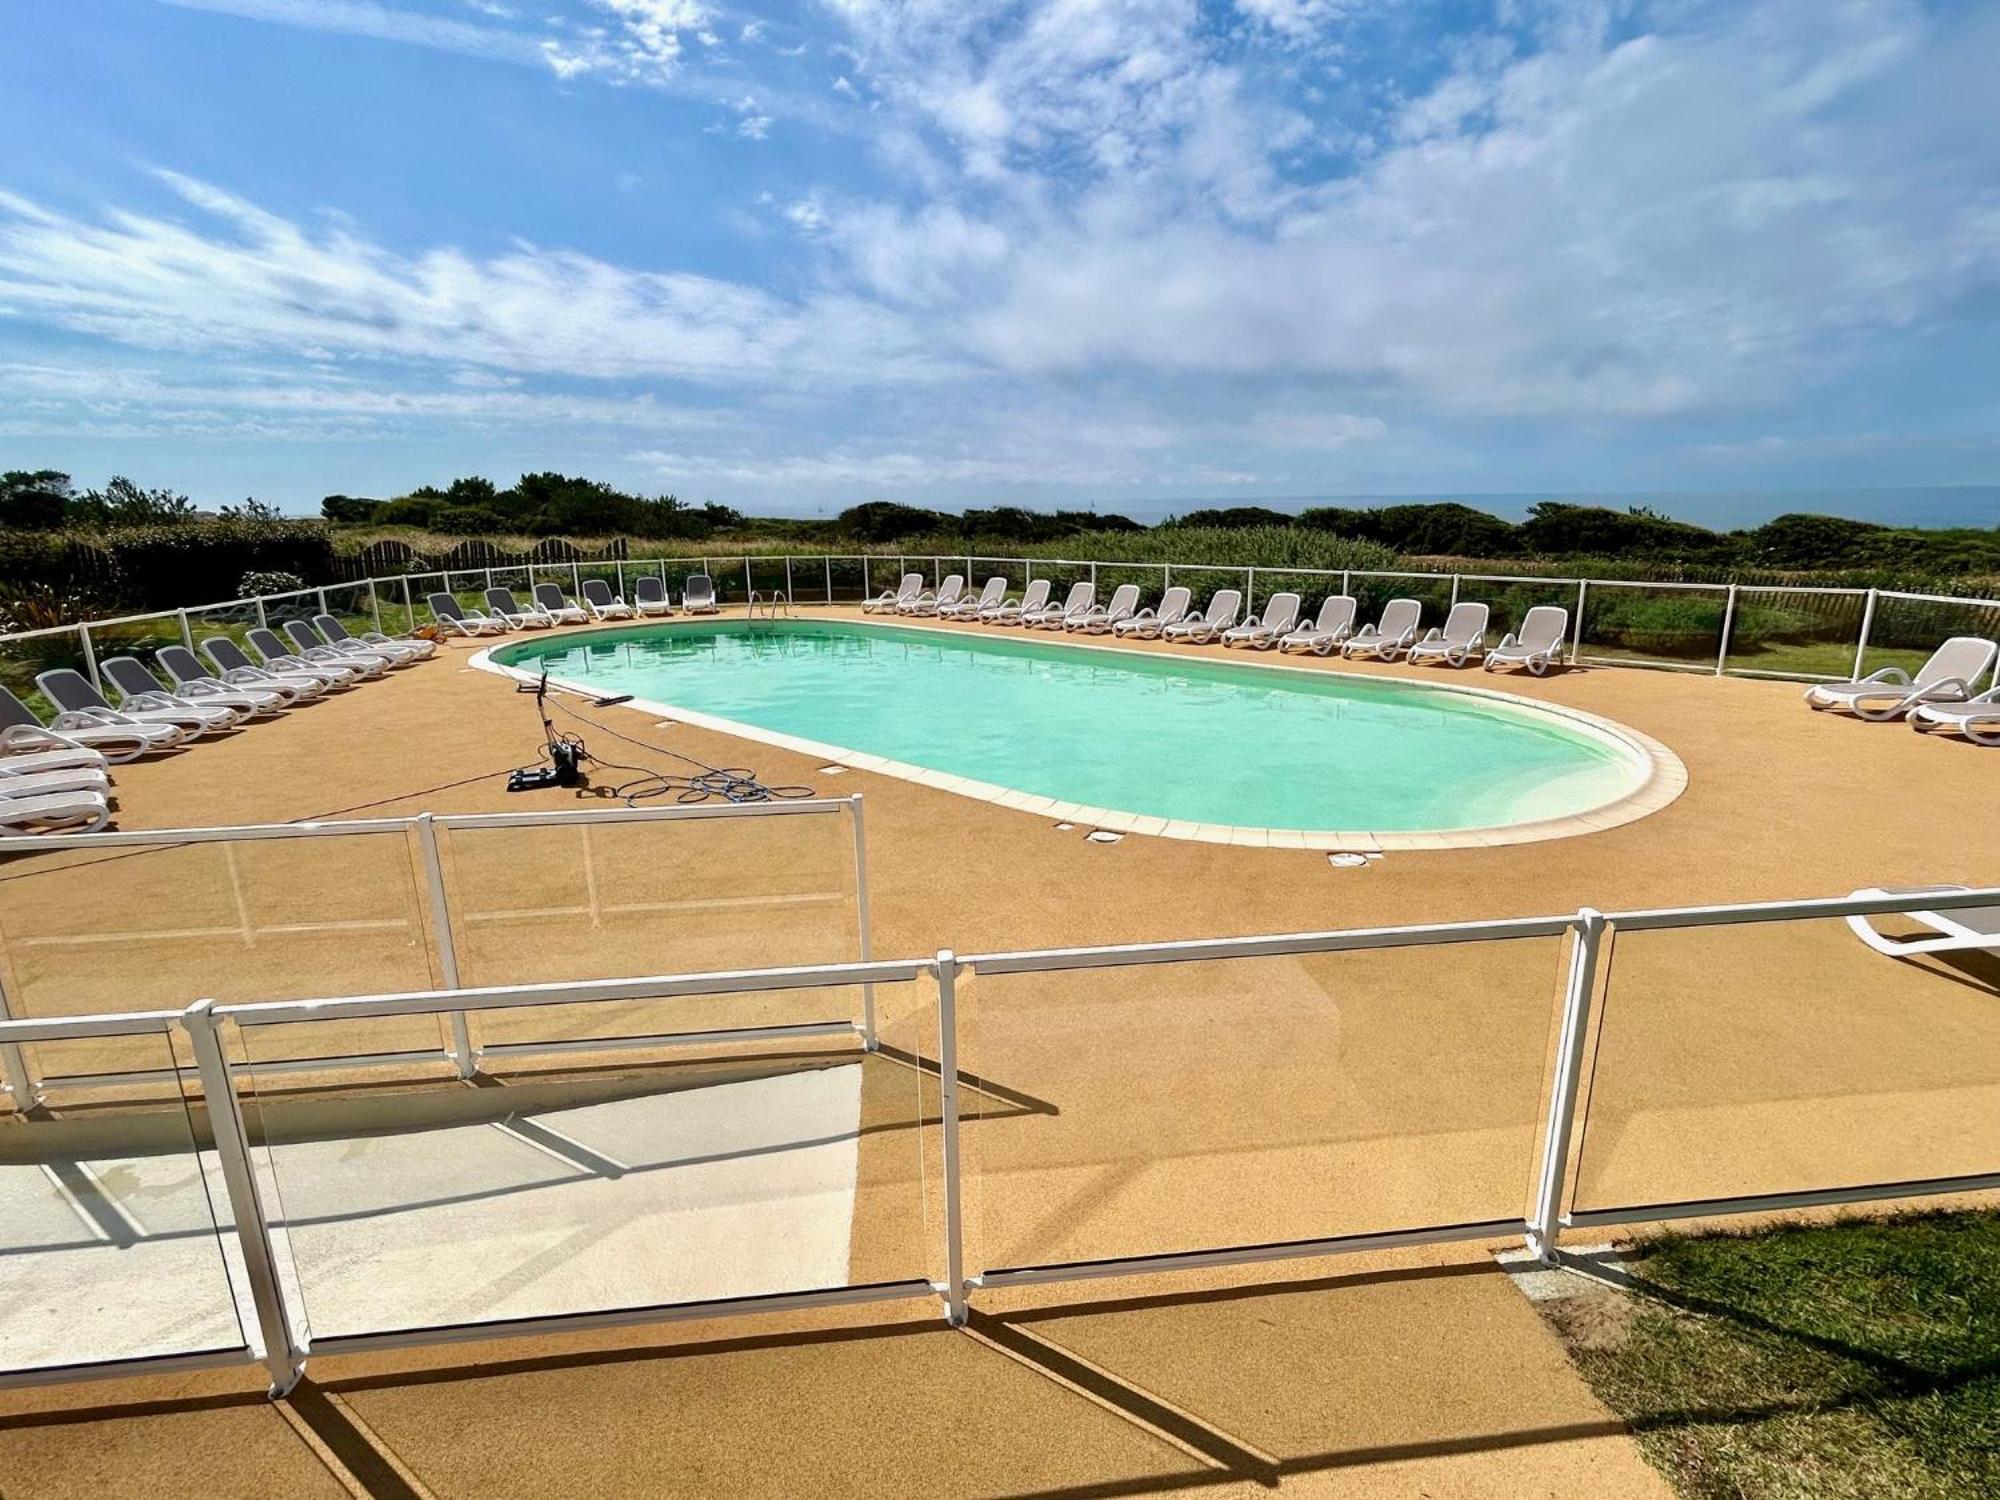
x,y
1508,601
229,621
1667,627
1813,635
599,1182
111,1238
1201,1105
610,572
1786,1056
153,927
1906,631
401,600
353,605
22,660
1372,595
767,576
671,896
843,579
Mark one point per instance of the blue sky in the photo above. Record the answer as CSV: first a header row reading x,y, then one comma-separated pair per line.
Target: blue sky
x,y
791,256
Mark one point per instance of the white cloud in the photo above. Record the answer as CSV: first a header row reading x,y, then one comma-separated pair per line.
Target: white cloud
x,y
239,278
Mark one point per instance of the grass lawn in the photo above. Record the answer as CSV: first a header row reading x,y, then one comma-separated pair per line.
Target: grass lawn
x,y
1858,1359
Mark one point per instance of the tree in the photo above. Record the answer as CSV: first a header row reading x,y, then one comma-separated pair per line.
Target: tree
x,y
1557,529
887,521
252,509
34,499
122,503
350,509
1233,518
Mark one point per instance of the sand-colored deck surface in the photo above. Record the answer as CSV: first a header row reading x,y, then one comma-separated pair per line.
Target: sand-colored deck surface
x,y
1129,1111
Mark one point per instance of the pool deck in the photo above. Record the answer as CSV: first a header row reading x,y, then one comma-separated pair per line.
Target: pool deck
x,y
1416,1372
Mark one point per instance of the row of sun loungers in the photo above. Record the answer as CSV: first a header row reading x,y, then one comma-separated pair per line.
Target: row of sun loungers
x,y
1943,695
54,775
1459,642
551,606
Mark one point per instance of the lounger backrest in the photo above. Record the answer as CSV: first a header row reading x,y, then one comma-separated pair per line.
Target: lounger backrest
x,y
445,607
1036,596
649,590
183,665
1466,622
1399,617
69,690
13,711
226,654
502,600
331,628
700,589
1173,604
1222,608
302,635
1335,615
911,586
994,592
1081,597
1965,657
267,644
951,588
1544,627
550,597
598,592
1280,611
129,675
1124,601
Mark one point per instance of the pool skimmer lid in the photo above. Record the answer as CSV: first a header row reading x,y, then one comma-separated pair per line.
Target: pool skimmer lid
x,y
1103,836
1343,860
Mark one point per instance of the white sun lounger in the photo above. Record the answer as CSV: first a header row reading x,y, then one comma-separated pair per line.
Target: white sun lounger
x,y
22,732
1950,676
1959,931
19,783
1075,606
649,595
455,619
1539,644
82,706
928,603
1102,619
138,688
196,682
602,603
234,666
698,595
1324,636
970,607
54,812
501,604
558,606
1206,625
307,646
891,601
1978,719
1034,599
279,657
337,635
1281,613
1147,624
30,762
1460,640
1393,636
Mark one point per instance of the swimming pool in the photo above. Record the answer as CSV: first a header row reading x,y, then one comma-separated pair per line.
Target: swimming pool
x,y
1190,742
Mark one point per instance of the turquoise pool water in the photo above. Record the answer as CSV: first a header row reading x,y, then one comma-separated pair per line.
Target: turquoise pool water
x,y
1166,736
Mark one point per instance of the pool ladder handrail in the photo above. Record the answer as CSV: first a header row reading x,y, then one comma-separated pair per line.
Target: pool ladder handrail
x,y
778,600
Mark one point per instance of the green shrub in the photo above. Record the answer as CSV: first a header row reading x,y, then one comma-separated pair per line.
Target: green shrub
x,y
252,584
202,561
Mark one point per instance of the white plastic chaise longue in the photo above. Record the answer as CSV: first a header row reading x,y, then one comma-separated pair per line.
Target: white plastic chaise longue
x,y
1459,641
1890,692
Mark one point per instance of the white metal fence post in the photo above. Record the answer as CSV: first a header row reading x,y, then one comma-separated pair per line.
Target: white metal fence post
x,y
618,565
322,602
788,577
1728,624
14,1063
1249,592
263,617
461,1034
1454,591
954,1193
828,560
89,658
282,1356
1545,1227
1576,631
187,630
748,587
868,1037
1867,625
409,605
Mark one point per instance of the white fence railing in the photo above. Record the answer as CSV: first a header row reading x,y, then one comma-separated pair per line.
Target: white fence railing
x,y
1728,636
447,919
273,1307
